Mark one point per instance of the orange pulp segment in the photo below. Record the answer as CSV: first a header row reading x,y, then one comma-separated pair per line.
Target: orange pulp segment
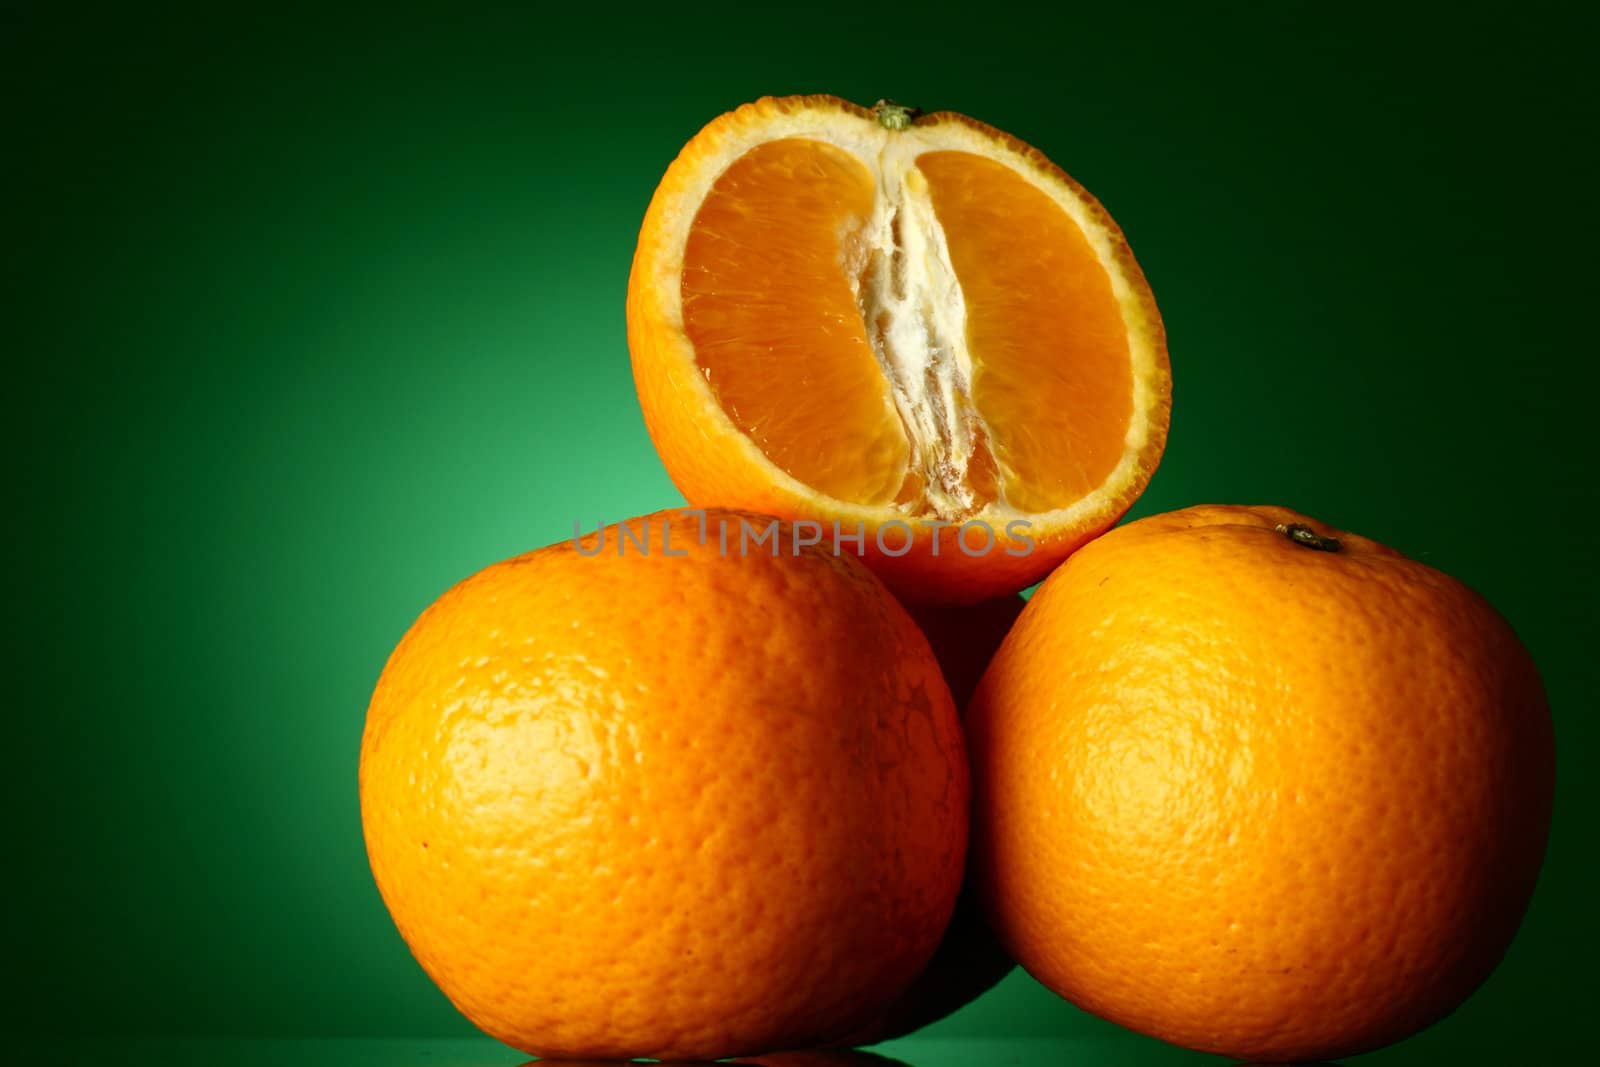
x,y
939,337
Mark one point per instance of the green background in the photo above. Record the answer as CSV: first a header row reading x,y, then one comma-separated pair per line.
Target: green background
x,y
310,314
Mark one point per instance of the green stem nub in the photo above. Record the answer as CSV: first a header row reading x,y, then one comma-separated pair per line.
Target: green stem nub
x,y
1304,535
893,116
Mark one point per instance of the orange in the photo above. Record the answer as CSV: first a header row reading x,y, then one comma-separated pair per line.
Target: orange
x,y
965,638
969,961
913,329
689,804
1258,787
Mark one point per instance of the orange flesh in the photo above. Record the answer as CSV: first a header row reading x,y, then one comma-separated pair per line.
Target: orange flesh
x,y
1051,370
774,323
770,304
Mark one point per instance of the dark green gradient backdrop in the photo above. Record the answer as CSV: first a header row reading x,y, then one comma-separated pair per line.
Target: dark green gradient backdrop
x,y
310,315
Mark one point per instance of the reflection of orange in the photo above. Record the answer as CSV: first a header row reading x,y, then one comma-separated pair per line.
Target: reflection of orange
x,y
811,1057
841,316
1256,791
824,1057
667,806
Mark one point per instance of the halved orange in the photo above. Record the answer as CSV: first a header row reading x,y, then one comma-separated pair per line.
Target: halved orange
x,y
913,330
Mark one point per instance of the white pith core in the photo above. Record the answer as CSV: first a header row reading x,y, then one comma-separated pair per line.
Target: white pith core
x,y
916,320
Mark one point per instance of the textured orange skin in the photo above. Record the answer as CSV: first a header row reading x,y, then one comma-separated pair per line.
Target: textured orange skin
x,y
672,807
699,449
969,961
1254,798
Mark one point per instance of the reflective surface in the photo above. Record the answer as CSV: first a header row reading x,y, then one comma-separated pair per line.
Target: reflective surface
x,y
1123,1050
908,1052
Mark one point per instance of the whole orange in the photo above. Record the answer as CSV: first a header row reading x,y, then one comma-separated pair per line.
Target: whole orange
x,y
689,804
969,961
965,638
1258,787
